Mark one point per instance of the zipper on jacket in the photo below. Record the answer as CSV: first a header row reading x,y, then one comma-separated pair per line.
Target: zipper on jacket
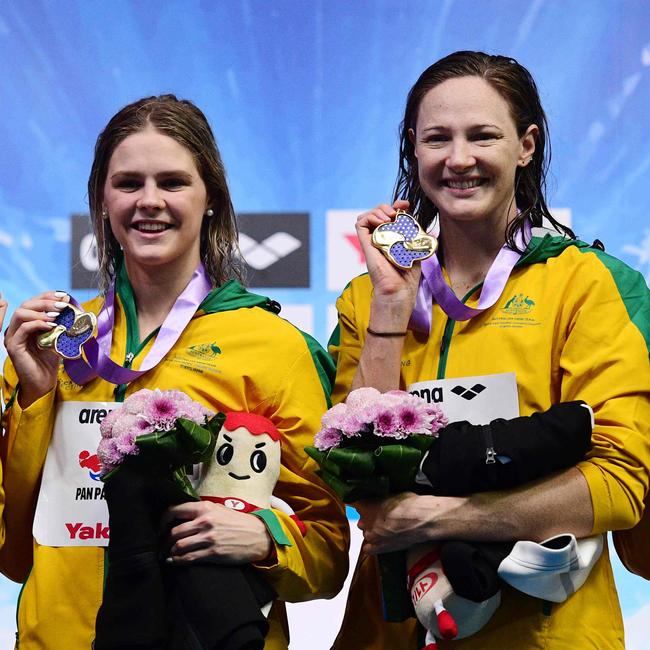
x,y
445,344
490,453
120,389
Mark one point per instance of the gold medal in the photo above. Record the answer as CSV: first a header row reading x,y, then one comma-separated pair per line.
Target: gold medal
x,y
403,241
74,327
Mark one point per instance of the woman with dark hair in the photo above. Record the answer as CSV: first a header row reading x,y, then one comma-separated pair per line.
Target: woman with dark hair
x,y
169,271
507,319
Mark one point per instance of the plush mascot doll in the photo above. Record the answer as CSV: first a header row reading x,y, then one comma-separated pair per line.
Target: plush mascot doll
x,y
245,464
455,585
151,605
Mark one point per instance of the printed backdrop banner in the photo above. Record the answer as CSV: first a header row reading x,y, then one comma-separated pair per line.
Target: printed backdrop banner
x,y
305,99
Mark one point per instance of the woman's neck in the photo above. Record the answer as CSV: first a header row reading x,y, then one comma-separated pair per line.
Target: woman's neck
x,y
469,249
155,291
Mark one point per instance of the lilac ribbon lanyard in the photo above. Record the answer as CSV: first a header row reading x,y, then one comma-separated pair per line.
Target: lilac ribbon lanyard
x,y
433,286
98,349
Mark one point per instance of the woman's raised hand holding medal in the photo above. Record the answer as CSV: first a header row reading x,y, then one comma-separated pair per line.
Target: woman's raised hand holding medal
x,y
36,367
388,280
393,298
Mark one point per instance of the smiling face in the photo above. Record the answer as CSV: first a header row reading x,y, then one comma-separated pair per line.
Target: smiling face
x,y
468,150
155,199
245,465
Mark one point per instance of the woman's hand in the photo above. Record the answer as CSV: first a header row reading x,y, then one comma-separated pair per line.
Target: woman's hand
x,y
403,520
387,280
36,368
210,531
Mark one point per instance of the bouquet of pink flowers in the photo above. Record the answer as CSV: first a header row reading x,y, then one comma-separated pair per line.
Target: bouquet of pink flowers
x,y
369,447
371,444
166,429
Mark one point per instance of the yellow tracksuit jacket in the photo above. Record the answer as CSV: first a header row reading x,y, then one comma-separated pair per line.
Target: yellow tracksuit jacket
x,y
578,328
234,355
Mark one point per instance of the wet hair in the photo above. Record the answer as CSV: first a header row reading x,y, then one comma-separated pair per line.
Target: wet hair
x,y
182,121
516,85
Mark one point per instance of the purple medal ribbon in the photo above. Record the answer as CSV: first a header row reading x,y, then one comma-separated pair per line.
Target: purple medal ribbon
x,y
97,350
433,286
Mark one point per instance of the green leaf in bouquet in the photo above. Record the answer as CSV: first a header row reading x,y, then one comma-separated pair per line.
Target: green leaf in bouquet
x,y
343,490
422,442
353,489
215,423
186,444
350,461
400,463
316,454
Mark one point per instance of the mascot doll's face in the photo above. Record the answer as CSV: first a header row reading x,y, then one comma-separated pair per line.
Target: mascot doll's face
x,y
246,460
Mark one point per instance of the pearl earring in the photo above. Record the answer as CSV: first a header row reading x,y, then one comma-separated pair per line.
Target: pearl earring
x,y
209,212
104,213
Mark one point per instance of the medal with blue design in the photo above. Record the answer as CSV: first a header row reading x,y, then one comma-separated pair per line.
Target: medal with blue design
x,y
403,241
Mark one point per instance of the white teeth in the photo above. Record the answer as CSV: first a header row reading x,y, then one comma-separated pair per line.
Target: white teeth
x,y
464,185
151,227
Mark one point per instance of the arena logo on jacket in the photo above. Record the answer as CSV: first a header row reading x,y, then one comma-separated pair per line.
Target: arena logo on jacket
x,y
478,399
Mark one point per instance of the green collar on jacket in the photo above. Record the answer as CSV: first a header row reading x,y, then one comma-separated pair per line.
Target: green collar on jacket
x,y
542,248
230,295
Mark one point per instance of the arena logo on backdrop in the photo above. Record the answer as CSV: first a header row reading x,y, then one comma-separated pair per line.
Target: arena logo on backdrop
x,y
275,247
261,255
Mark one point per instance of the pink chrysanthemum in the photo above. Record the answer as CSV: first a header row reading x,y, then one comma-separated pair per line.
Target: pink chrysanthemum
x,y
327,439
106,426
334,418
385,423
362,397
137,402
395,414
161,411
143,412
414,419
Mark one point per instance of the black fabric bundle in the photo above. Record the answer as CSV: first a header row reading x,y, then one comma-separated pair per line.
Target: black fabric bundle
x,y
149,605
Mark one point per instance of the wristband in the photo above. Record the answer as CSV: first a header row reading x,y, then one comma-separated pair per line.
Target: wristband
x,y
386,334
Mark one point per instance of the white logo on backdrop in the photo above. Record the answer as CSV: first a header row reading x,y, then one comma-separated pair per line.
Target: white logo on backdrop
x,y
261,255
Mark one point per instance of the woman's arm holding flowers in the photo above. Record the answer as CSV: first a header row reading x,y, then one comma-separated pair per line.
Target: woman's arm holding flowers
x,y
529,512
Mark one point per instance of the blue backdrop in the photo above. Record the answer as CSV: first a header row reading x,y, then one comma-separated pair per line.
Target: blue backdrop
x,y
305,99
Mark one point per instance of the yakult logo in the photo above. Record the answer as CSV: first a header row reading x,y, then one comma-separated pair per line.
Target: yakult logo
x,y
79,530
423,585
